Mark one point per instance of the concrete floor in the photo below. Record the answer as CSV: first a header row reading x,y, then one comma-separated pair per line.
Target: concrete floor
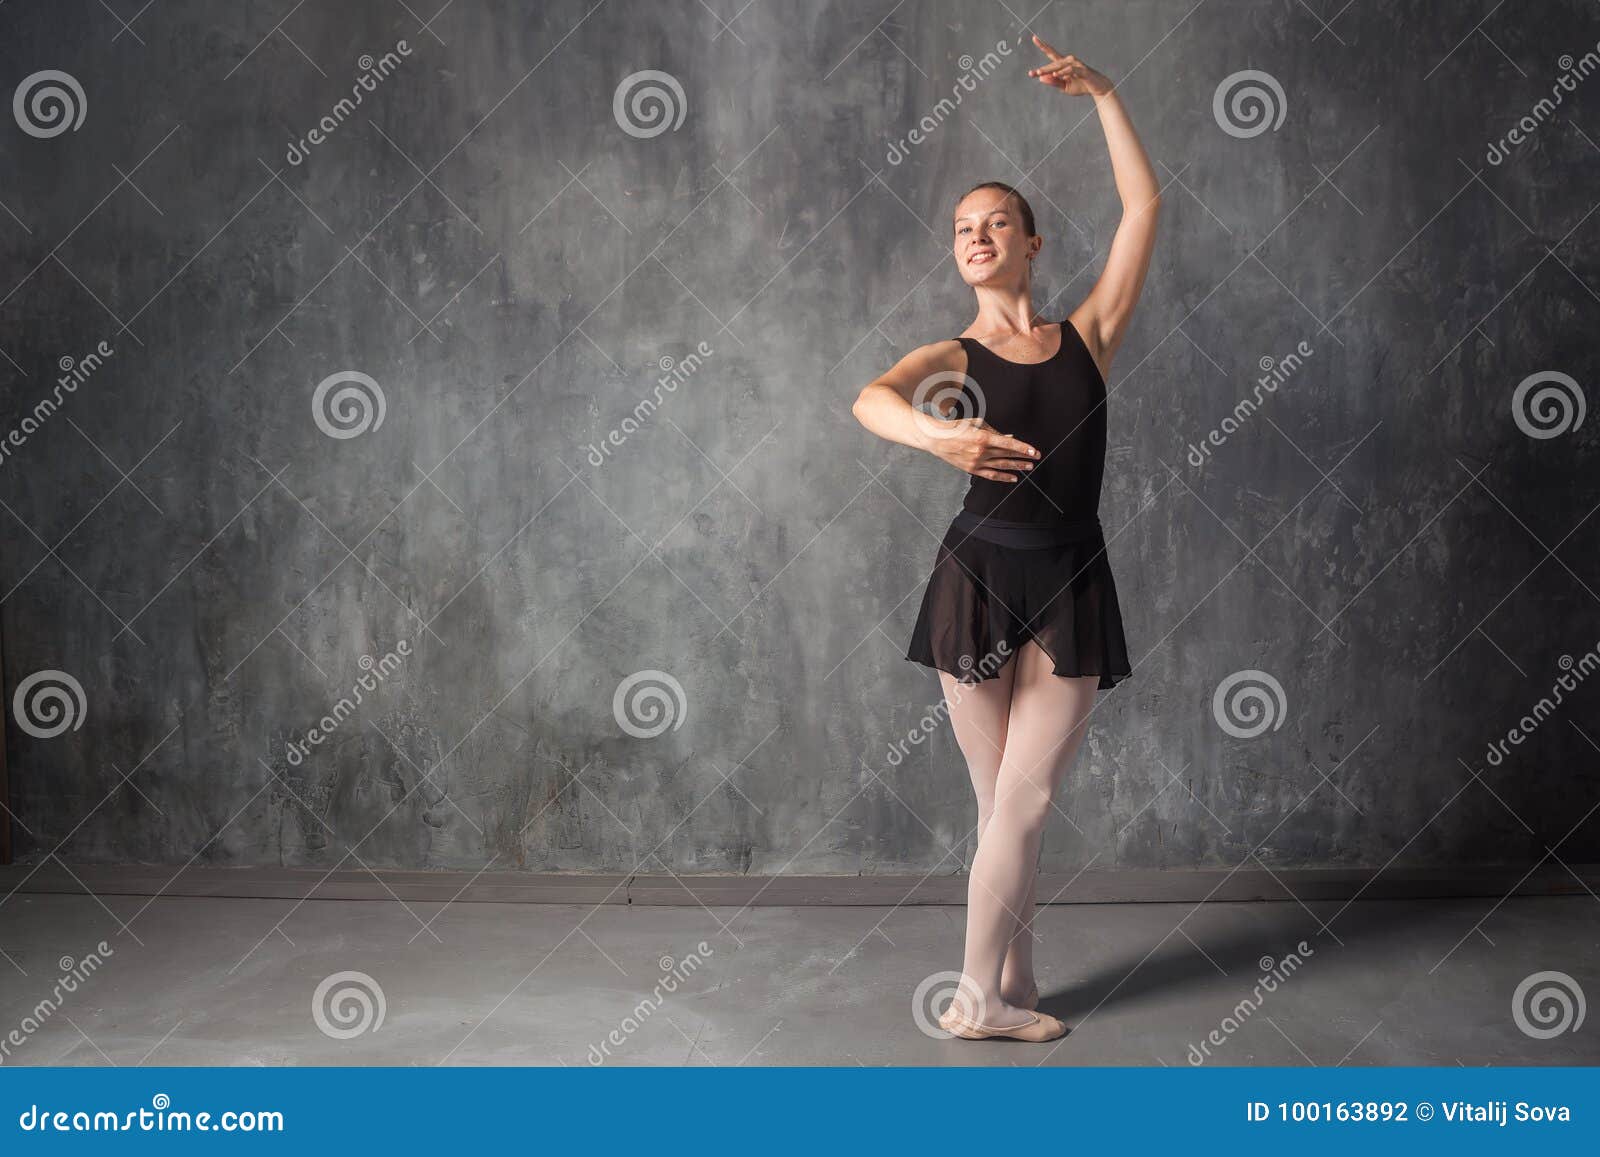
x,y
231,982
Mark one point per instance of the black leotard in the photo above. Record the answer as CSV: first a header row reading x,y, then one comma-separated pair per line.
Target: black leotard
x,y
1058,407
1026,561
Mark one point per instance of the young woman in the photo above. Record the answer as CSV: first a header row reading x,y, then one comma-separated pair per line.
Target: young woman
x,y
1020,615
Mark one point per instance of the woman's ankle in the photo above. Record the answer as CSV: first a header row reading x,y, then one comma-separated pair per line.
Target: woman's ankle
x,y
1016,986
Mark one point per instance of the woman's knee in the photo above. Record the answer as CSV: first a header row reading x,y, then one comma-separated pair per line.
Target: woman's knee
x,y
1025,805
985,812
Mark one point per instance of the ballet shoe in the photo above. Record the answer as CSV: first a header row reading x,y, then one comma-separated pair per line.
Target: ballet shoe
x,y
1042,1027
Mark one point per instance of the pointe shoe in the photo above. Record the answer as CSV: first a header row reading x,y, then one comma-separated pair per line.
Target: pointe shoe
x,y
1042,1027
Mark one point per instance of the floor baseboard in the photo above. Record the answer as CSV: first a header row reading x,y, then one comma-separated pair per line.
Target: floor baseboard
x,y
1094,886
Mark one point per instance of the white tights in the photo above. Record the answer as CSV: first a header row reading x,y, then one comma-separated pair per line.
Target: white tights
x,y
1019,732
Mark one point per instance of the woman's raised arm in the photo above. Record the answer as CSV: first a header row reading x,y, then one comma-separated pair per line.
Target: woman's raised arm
x,y
1105,313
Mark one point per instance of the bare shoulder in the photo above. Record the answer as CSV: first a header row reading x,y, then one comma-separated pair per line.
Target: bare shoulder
x,y
945,356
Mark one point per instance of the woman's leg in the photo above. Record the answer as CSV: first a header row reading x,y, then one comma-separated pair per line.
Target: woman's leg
x,y
1044,729
1016,975
978,715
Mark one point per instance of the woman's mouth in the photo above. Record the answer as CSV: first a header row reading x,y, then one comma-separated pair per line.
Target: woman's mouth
x,y
982,257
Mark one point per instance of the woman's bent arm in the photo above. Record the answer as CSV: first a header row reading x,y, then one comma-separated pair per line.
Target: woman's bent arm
x,y
885,407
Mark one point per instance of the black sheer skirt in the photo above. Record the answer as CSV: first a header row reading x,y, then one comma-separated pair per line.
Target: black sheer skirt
x,y
995,585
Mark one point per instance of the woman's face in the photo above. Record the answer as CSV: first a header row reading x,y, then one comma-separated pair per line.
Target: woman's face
x,y
991,245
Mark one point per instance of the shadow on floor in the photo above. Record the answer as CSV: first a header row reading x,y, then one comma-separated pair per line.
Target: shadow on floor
x,y
1169,969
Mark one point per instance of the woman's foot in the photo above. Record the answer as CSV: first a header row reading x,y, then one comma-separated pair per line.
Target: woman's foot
x,y
995,1016
1036,1028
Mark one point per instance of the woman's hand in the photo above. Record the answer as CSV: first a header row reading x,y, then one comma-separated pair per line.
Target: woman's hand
x,y
973,446
1069,74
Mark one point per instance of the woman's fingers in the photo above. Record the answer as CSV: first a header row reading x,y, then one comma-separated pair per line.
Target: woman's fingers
x,y
1013,446
996,476
1058,63
1067,67
1046,49
1019,464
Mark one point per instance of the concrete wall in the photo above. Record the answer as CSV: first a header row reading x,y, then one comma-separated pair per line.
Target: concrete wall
x,y
483,239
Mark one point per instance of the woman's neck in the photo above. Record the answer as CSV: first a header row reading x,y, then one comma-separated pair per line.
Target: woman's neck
x,y
1007,311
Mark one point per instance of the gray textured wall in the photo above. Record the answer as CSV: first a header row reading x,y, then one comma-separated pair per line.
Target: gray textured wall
x,y
485,241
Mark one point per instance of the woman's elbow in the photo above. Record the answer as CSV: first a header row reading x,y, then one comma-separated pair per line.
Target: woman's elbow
x,y
858,408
